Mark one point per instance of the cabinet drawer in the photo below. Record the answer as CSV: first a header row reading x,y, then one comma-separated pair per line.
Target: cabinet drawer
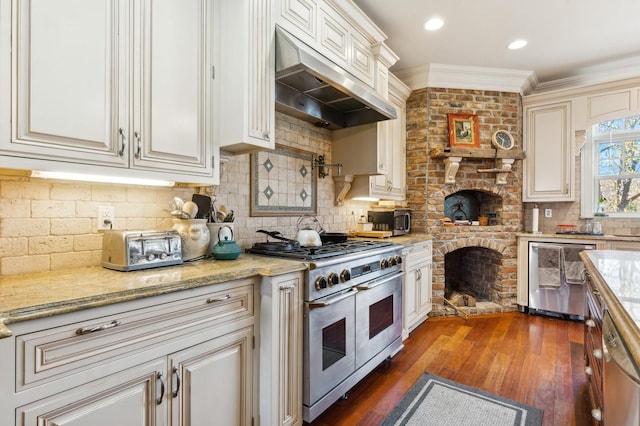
x,y
47,354
418,254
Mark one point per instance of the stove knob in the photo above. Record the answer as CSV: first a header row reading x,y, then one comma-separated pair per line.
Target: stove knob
x,y
393,261
384,264
163,255
333,279
345,275
151,256
321,283
398,260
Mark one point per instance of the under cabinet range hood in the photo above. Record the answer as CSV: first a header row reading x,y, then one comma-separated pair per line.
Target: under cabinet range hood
x,y
312,88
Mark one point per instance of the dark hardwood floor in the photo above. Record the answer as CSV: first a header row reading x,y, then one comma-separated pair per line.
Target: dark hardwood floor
x,y
532,359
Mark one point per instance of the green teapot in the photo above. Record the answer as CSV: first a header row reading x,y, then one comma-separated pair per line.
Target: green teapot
x,y
225,249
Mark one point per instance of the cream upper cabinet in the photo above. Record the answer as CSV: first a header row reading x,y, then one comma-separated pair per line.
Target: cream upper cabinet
x,y
392,186
338,30
245,75
122,84
375,153
549,167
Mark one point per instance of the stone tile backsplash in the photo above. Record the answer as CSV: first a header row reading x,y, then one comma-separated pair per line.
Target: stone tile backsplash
x,y
51,225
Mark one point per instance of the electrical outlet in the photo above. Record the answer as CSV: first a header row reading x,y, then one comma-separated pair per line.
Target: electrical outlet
x,y
547,213
106,217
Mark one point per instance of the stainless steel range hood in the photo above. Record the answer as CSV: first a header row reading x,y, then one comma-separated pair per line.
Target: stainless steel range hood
x,y
311,87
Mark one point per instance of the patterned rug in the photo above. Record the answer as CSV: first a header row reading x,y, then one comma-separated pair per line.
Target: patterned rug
x,y
436,401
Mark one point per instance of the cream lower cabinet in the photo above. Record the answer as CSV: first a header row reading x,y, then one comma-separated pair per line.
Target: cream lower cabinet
x,y
181,359
281,350
417,285
115,87
623,245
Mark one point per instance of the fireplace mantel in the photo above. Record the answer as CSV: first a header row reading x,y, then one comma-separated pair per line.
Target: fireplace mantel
x,y
452,157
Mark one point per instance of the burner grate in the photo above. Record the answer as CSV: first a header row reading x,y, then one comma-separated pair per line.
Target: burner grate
x,y
313,253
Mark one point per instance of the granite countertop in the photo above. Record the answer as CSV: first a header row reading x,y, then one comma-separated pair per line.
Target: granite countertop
x,y
616,274
580,237
32,296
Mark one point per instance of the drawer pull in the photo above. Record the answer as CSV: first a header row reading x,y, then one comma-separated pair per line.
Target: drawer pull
x,y
590,323
159,399
87,330
287,286
596,414
588,371
219,299
177,374
597,353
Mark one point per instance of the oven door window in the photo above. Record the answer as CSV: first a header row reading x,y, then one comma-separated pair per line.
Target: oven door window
x,y
334,343
378,318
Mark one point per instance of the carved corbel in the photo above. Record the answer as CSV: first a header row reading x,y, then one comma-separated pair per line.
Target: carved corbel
x,y
343,185
451,165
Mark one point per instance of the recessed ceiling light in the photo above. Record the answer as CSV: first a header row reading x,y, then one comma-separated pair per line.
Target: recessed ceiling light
x,y
517,44
433,24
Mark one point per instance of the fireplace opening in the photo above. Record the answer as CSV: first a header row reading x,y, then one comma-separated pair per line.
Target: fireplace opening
x,y
469,205
472,277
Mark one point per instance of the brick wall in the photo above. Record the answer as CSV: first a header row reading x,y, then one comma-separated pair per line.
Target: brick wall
x,y
427,128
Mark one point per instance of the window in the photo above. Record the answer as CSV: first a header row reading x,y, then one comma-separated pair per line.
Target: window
x,y
611,169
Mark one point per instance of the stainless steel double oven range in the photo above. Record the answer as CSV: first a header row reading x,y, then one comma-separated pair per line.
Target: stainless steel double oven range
x,y
352,315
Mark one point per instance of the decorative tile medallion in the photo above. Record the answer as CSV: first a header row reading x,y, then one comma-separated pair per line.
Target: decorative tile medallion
x,y
282,182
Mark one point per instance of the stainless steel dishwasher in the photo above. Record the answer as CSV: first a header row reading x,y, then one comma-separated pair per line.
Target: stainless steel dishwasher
x,y
620,379
556,283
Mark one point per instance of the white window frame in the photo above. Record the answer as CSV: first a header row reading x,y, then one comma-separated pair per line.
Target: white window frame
x,y
589,175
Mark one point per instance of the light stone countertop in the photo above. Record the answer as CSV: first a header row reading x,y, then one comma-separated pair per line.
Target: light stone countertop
x,y
616,275
32,296
607,237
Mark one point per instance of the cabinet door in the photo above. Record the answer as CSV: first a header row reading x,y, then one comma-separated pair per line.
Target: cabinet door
x,y
172,126
245,74
69,73
549,168
133,397
410,295
281,350
424,302
212,383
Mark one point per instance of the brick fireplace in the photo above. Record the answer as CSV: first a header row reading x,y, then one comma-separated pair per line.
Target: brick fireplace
x,y
480,258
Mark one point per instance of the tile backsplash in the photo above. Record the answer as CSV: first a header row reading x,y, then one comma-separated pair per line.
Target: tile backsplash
x,y
51,225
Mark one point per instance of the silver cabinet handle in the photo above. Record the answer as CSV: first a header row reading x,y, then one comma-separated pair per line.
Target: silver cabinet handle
x,y
596,413
219,299
597,353
588,371
177,374
287,286
590,323
123,138
159,399
87,330
136,134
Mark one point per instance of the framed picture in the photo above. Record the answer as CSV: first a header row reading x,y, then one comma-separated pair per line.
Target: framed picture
x,y
463,131
282,183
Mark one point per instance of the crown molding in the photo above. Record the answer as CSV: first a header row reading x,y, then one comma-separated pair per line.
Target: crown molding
x,y
473,78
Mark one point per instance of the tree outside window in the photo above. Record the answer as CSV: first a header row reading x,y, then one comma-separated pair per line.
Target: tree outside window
x,y
617,166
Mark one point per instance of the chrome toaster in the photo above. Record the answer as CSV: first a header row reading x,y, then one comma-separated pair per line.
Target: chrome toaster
x,y
132,250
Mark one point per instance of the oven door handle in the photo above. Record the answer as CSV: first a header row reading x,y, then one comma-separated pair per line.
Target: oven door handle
x,y
373,284
331,301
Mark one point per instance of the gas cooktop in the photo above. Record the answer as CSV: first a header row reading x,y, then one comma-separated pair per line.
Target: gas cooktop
x,y
287,250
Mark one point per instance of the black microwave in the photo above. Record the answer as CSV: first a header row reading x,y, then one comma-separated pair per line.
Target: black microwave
x,y
396,220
